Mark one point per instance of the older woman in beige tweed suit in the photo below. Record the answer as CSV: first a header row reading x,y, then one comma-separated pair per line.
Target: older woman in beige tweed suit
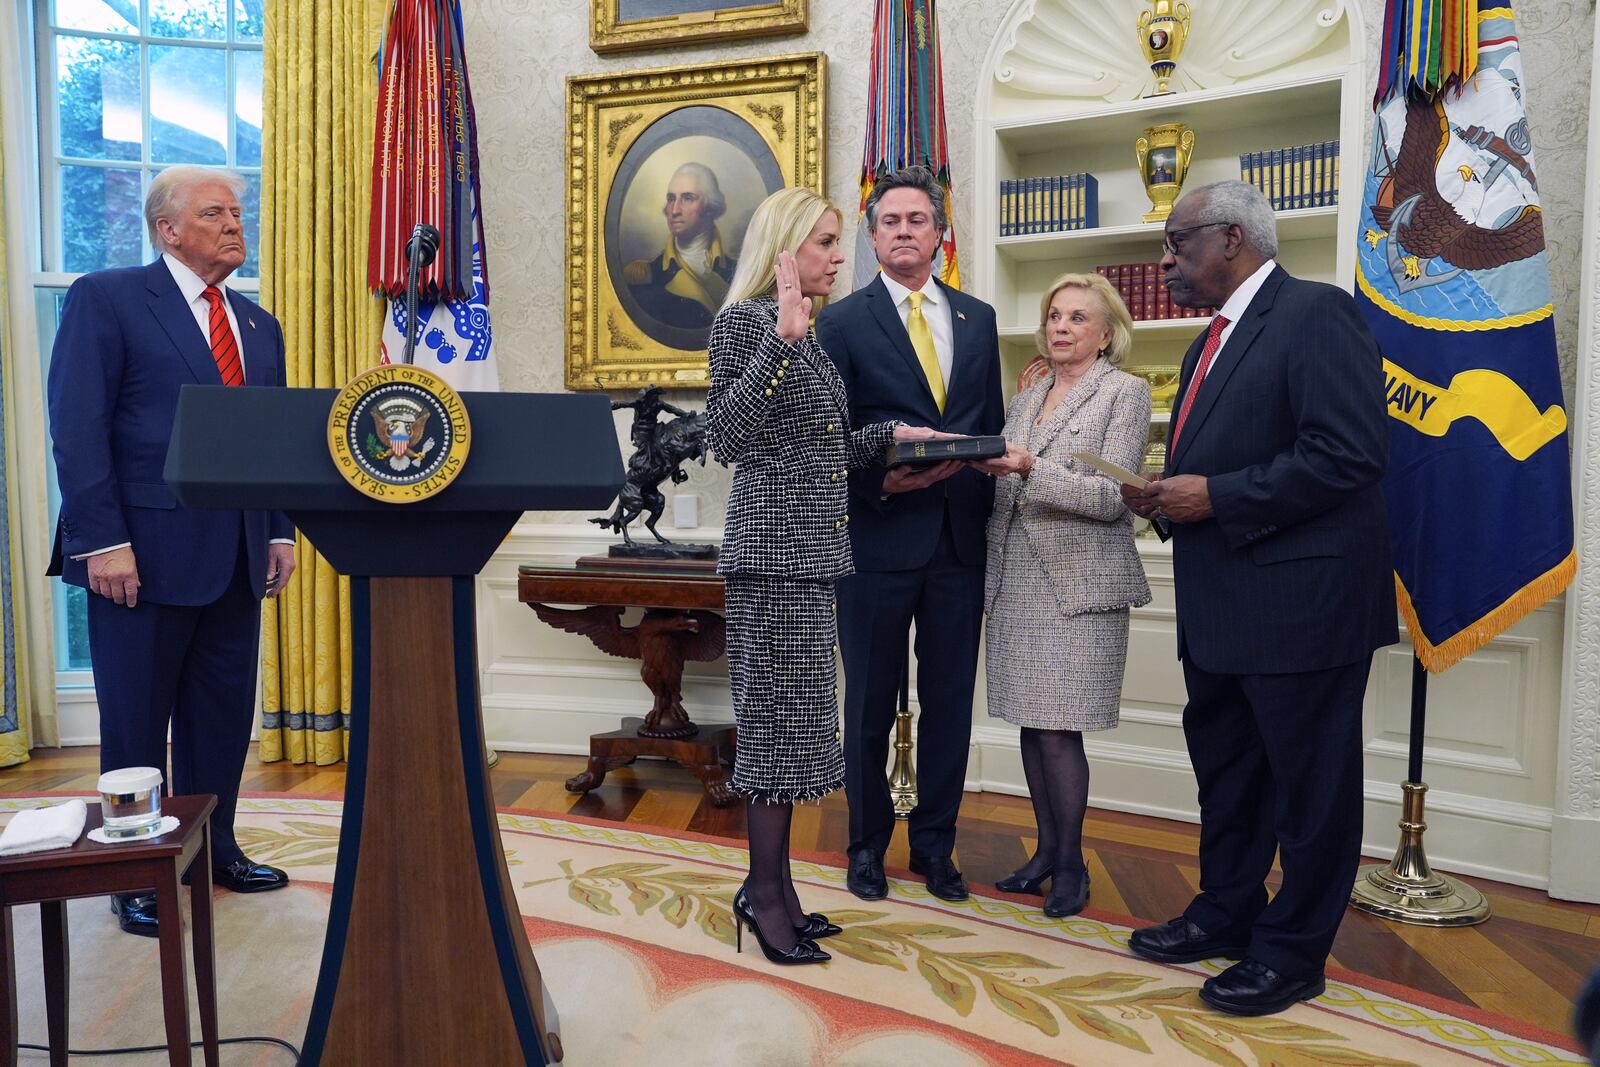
x,y
1063,570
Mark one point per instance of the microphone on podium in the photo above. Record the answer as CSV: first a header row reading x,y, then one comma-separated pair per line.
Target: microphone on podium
x,y
420,250
423,245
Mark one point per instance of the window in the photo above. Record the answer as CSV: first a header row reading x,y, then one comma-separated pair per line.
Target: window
x,y
125,88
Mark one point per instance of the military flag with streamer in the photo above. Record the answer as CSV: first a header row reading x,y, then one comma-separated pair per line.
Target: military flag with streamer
x,y
905,120
425,169
1452,275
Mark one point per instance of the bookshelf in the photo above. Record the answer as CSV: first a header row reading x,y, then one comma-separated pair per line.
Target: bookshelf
x,y
1062,91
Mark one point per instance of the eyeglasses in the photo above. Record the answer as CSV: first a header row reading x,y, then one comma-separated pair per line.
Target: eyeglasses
x,y
1172,243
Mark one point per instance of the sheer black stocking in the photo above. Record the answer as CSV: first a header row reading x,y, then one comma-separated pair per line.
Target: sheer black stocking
x,y
768,885
791,899
1058,782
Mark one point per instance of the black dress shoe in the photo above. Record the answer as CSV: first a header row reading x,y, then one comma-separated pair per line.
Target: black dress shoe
x,y
1252,988
1016,883
1064,901
246,876
1181,941
941,876
137,914
865,877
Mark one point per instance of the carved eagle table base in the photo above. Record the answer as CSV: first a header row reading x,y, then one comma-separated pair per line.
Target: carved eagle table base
x,y
680,623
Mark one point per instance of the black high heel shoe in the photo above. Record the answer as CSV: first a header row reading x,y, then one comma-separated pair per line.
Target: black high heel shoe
x,y
815,926
1015,883
803,951
1061,902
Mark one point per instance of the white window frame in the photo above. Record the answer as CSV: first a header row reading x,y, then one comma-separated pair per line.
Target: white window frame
x,y
33,168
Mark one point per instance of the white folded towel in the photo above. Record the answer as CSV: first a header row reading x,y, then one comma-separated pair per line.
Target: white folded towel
x,y
40,829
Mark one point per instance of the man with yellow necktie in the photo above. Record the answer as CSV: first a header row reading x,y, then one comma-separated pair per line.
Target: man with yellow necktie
x,y
910,348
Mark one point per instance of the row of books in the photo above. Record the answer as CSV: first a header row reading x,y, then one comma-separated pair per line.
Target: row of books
x,y
1049,205
1141,288
1303,176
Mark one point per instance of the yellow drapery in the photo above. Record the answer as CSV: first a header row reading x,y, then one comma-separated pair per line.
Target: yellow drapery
x,y
319,91
16,705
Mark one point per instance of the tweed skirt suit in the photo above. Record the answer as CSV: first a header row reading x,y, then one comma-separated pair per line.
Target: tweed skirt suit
x,y
1063,569
779,412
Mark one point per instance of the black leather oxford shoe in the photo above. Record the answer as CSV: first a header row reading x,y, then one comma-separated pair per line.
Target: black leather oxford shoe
x,y
1252,988
865,877
136,914
246,876
1181,941
941,876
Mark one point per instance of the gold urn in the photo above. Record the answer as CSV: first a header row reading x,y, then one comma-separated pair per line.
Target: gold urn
x,y
1164,153
1162,32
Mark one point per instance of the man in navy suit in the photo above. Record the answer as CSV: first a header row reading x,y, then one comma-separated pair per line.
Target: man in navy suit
x,y
175,613
1283,576
910,348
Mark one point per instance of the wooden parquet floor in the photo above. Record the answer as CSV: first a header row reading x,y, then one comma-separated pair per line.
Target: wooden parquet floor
x,y
1527,962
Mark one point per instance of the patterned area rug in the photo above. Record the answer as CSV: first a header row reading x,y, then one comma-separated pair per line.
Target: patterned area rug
x,y
634,936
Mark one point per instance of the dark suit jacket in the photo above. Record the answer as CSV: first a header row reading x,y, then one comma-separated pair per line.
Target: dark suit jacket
x,y
126,343
863,336
1293,573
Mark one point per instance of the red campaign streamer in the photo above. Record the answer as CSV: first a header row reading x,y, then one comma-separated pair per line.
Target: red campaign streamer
x,y
424,166
905,106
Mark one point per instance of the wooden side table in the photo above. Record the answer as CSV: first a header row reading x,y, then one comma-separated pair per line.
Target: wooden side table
x,y
682,621
89,869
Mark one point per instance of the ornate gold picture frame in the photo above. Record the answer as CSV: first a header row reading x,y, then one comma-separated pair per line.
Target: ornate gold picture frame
x,y
664,169
620,25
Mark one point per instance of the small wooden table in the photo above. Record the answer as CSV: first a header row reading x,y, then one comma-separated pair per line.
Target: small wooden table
x,y
89,869
682,621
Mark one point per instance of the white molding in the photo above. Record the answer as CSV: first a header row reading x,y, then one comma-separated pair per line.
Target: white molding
x,y
1157,782
1574,875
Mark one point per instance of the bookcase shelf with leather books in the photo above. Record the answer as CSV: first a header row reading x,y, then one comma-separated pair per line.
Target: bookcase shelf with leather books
x,y
1063,91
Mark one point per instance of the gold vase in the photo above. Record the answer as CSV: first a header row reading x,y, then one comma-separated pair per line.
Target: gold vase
x,y
1162,32
1164,153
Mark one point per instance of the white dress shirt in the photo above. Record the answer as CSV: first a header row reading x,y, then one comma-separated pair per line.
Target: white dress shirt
x,y
193,287
1233,310
936,309
1238,301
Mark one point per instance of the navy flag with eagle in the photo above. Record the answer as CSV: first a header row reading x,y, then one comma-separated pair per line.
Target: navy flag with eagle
x,y
1453,278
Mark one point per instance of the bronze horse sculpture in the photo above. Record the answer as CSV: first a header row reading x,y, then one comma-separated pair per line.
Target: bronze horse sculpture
x,y
656,457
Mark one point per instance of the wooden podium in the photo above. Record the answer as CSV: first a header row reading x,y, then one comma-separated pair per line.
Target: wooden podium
x,y
426,960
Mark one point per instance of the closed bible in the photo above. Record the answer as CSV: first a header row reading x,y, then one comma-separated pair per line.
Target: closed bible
x,y
924,453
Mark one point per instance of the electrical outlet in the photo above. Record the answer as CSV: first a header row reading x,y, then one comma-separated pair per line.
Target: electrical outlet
x,y
685,511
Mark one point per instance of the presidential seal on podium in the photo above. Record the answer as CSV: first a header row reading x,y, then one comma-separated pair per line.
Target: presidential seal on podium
x,y
398,433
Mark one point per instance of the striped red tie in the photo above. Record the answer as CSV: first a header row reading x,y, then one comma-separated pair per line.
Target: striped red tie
x,y
224,349
1208,355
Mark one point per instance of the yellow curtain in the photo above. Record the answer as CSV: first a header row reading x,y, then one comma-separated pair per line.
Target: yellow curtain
x,y
319,92
16,713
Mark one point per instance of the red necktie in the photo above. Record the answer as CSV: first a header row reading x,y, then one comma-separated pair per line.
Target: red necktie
x,y
224,349
1208,355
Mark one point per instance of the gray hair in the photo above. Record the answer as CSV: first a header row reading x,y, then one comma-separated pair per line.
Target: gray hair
x,y
716,203
1243,204
919,178
171,187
